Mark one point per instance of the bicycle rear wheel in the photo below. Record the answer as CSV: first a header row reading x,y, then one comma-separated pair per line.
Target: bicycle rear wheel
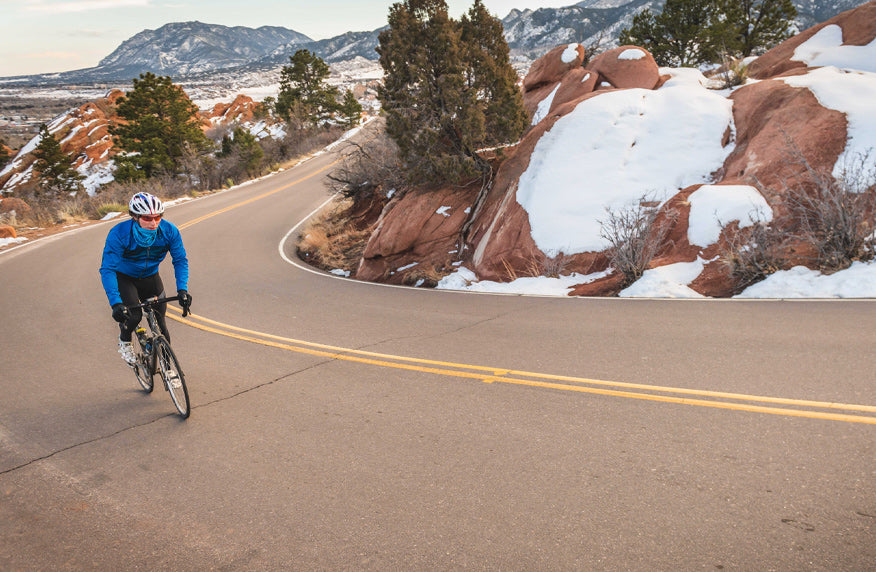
x,y
172,374
142,369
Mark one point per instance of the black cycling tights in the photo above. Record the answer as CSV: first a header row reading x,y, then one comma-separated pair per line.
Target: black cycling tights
x,y
134,291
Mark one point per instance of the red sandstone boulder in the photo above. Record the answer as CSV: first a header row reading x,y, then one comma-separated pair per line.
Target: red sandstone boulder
x,y
83,133
7,231
241,110
774,120
575,85
626,67
416,235
858,29
14,205
551,67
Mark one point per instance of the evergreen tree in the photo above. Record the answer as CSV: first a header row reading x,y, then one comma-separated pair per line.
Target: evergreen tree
x,y
5,156
303,91
55,168
491,76
161,123
758,25
686,33
351,109
246,148
443,97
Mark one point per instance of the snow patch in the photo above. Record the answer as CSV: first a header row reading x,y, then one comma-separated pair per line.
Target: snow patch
x,y
630,143
570,54
826,48
712,206
631,54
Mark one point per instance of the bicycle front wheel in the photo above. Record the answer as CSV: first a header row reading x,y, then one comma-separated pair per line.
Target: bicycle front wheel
x,y
172,374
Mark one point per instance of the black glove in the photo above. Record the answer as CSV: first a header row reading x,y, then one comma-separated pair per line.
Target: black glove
x,y
185,301
120,313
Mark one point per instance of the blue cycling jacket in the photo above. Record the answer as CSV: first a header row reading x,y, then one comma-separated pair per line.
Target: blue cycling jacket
x,y
122,253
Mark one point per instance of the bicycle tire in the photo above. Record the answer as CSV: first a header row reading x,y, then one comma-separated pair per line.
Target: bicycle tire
x,y
142,369
172,375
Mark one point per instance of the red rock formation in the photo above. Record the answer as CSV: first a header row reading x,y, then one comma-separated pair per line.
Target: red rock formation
x,y
16,205
424,231
858,30
771,118
7,231
82,133
626,67
241,110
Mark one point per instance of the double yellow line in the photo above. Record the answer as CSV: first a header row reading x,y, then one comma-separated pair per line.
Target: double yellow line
x,y
683,396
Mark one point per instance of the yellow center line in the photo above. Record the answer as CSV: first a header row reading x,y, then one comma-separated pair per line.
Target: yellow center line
x,y
498,375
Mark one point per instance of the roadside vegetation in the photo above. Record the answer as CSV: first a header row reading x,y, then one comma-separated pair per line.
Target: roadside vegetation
x,y
162,147
827,221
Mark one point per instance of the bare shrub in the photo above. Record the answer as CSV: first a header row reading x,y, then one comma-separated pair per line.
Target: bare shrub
x,y
733,72
753,253
836,215
369,167
635,235
427,276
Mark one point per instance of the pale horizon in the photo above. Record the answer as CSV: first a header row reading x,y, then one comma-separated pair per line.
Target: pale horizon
x,y
51,36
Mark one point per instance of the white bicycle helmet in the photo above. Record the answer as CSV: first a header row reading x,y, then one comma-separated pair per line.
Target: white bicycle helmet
x,y
145,204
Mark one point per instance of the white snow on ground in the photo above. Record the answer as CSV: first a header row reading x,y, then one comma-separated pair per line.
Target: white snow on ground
x,y
858,281
465,279
825,49
714,206
615,148
8,241
544,106
668,281
852,93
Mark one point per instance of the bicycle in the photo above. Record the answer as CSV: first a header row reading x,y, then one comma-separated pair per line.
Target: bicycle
x,y
156,356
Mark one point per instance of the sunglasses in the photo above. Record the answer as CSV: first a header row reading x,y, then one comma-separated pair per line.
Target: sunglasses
x,y
150,218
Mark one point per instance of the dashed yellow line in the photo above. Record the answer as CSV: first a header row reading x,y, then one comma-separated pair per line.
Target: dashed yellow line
x,y
702,398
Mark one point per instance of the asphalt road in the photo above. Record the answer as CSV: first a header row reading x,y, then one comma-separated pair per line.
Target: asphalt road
x,y
339,425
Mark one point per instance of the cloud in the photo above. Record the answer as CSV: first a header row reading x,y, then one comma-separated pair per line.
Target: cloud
x,y
61,6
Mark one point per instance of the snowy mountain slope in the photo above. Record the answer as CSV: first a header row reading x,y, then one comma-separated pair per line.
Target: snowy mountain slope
x,y
189,48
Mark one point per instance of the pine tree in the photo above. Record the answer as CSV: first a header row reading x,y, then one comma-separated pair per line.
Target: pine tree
x,y
303,91
246,148
5,156
758,25
55,168
351,109
161,123
686,33
491,75
439,89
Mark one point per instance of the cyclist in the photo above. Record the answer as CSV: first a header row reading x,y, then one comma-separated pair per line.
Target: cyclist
x,y
129,268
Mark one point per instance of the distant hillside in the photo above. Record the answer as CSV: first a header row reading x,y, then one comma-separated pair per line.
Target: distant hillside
x,y
191,48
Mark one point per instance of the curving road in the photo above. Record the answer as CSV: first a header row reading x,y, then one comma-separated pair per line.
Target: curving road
x,y
342,425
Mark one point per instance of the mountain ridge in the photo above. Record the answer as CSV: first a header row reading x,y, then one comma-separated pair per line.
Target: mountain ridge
x,y
184,49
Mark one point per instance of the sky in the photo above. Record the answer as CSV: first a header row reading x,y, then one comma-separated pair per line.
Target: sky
x,y
46,36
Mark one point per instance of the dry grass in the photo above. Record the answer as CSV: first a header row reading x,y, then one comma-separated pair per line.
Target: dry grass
x,y
330,242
